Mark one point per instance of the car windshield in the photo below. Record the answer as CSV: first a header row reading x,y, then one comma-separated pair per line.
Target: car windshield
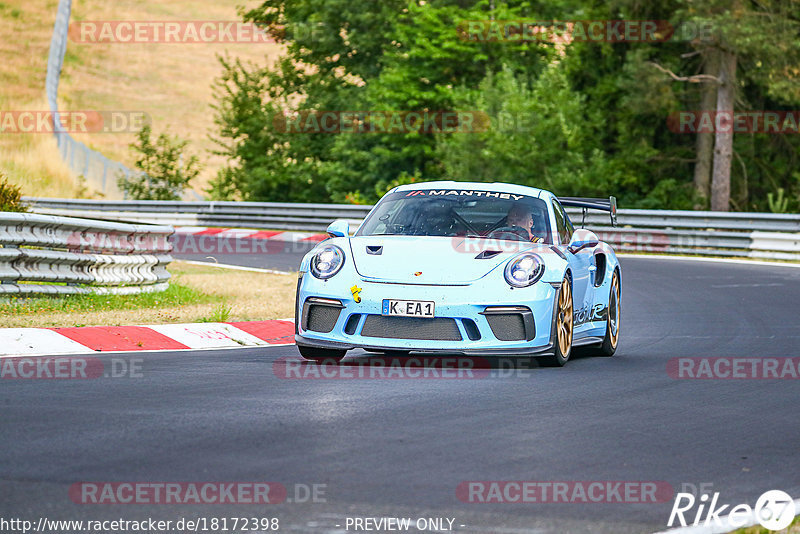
x,y
448,213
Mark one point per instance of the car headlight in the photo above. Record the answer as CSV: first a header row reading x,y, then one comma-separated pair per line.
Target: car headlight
x,y
524,270
327,262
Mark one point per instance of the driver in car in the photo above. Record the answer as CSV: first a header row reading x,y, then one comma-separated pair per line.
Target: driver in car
x,y
520,215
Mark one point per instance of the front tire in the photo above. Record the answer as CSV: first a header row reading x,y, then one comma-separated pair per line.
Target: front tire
x,y
564,323
321,355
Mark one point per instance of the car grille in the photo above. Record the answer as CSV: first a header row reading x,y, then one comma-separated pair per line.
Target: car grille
x,y
321,318
434,329
507,326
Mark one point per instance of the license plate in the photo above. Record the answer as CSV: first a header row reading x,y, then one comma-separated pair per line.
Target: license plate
x,y
408,308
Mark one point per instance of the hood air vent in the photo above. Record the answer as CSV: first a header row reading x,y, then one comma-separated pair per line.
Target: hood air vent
x,y
488,254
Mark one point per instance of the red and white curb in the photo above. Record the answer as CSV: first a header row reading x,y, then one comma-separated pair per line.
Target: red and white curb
x,y
240,233
194,336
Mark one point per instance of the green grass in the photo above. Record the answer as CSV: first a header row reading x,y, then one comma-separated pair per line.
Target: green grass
x,y
196,293
793,528
176,295
220,314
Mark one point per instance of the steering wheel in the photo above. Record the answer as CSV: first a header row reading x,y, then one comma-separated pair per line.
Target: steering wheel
x,y
514,233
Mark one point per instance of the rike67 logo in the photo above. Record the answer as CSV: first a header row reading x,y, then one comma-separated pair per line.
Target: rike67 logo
x,y
774,510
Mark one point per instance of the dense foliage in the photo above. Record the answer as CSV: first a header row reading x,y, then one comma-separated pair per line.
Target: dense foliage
x,y
580,118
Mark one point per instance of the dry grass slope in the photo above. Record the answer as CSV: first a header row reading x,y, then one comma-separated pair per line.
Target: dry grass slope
x,y
170,82
30,161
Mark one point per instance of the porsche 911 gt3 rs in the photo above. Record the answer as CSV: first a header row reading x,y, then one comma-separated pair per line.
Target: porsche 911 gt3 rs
x,y
461,267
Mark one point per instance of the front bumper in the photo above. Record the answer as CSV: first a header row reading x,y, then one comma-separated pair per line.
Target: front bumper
x,y
462,309
526,351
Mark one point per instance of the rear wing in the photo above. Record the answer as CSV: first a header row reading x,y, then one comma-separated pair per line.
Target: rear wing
x,y
601,204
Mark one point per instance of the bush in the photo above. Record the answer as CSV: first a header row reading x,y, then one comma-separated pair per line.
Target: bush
x,y
164,173
10,196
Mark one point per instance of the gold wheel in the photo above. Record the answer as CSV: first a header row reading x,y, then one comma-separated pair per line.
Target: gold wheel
x,y
613,312
565,319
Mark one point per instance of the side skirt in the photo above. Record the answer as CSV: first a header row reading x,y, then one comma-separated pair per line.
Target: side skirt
x,y
590,340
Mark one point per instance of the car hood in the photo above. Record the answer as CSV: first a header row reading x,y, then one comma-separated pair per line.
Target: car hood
x,y
430,260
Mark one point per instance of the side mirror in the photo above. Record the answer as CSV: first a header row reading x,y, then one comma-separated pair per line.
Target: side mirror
x,y
582,239
339,228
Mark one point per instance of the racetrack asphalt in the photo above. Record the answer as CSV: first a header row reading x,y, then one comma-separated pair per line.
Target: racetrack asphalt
x,y
401,447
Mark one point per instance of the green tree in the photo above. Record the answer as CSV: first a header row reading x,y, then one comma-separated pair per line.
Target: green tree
x,y
164,171
331,48
743,50
395,56
601,108
263,163
540,136
422,72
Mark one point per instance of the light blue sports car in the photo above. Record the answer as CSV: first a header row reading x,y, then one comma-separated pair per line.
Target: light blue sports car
x,y
461,267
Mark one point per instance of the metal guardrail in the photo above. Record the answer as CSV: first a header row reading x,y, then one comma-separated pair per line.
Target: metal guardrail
x,y
772,236
263,215
66,255
755,235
